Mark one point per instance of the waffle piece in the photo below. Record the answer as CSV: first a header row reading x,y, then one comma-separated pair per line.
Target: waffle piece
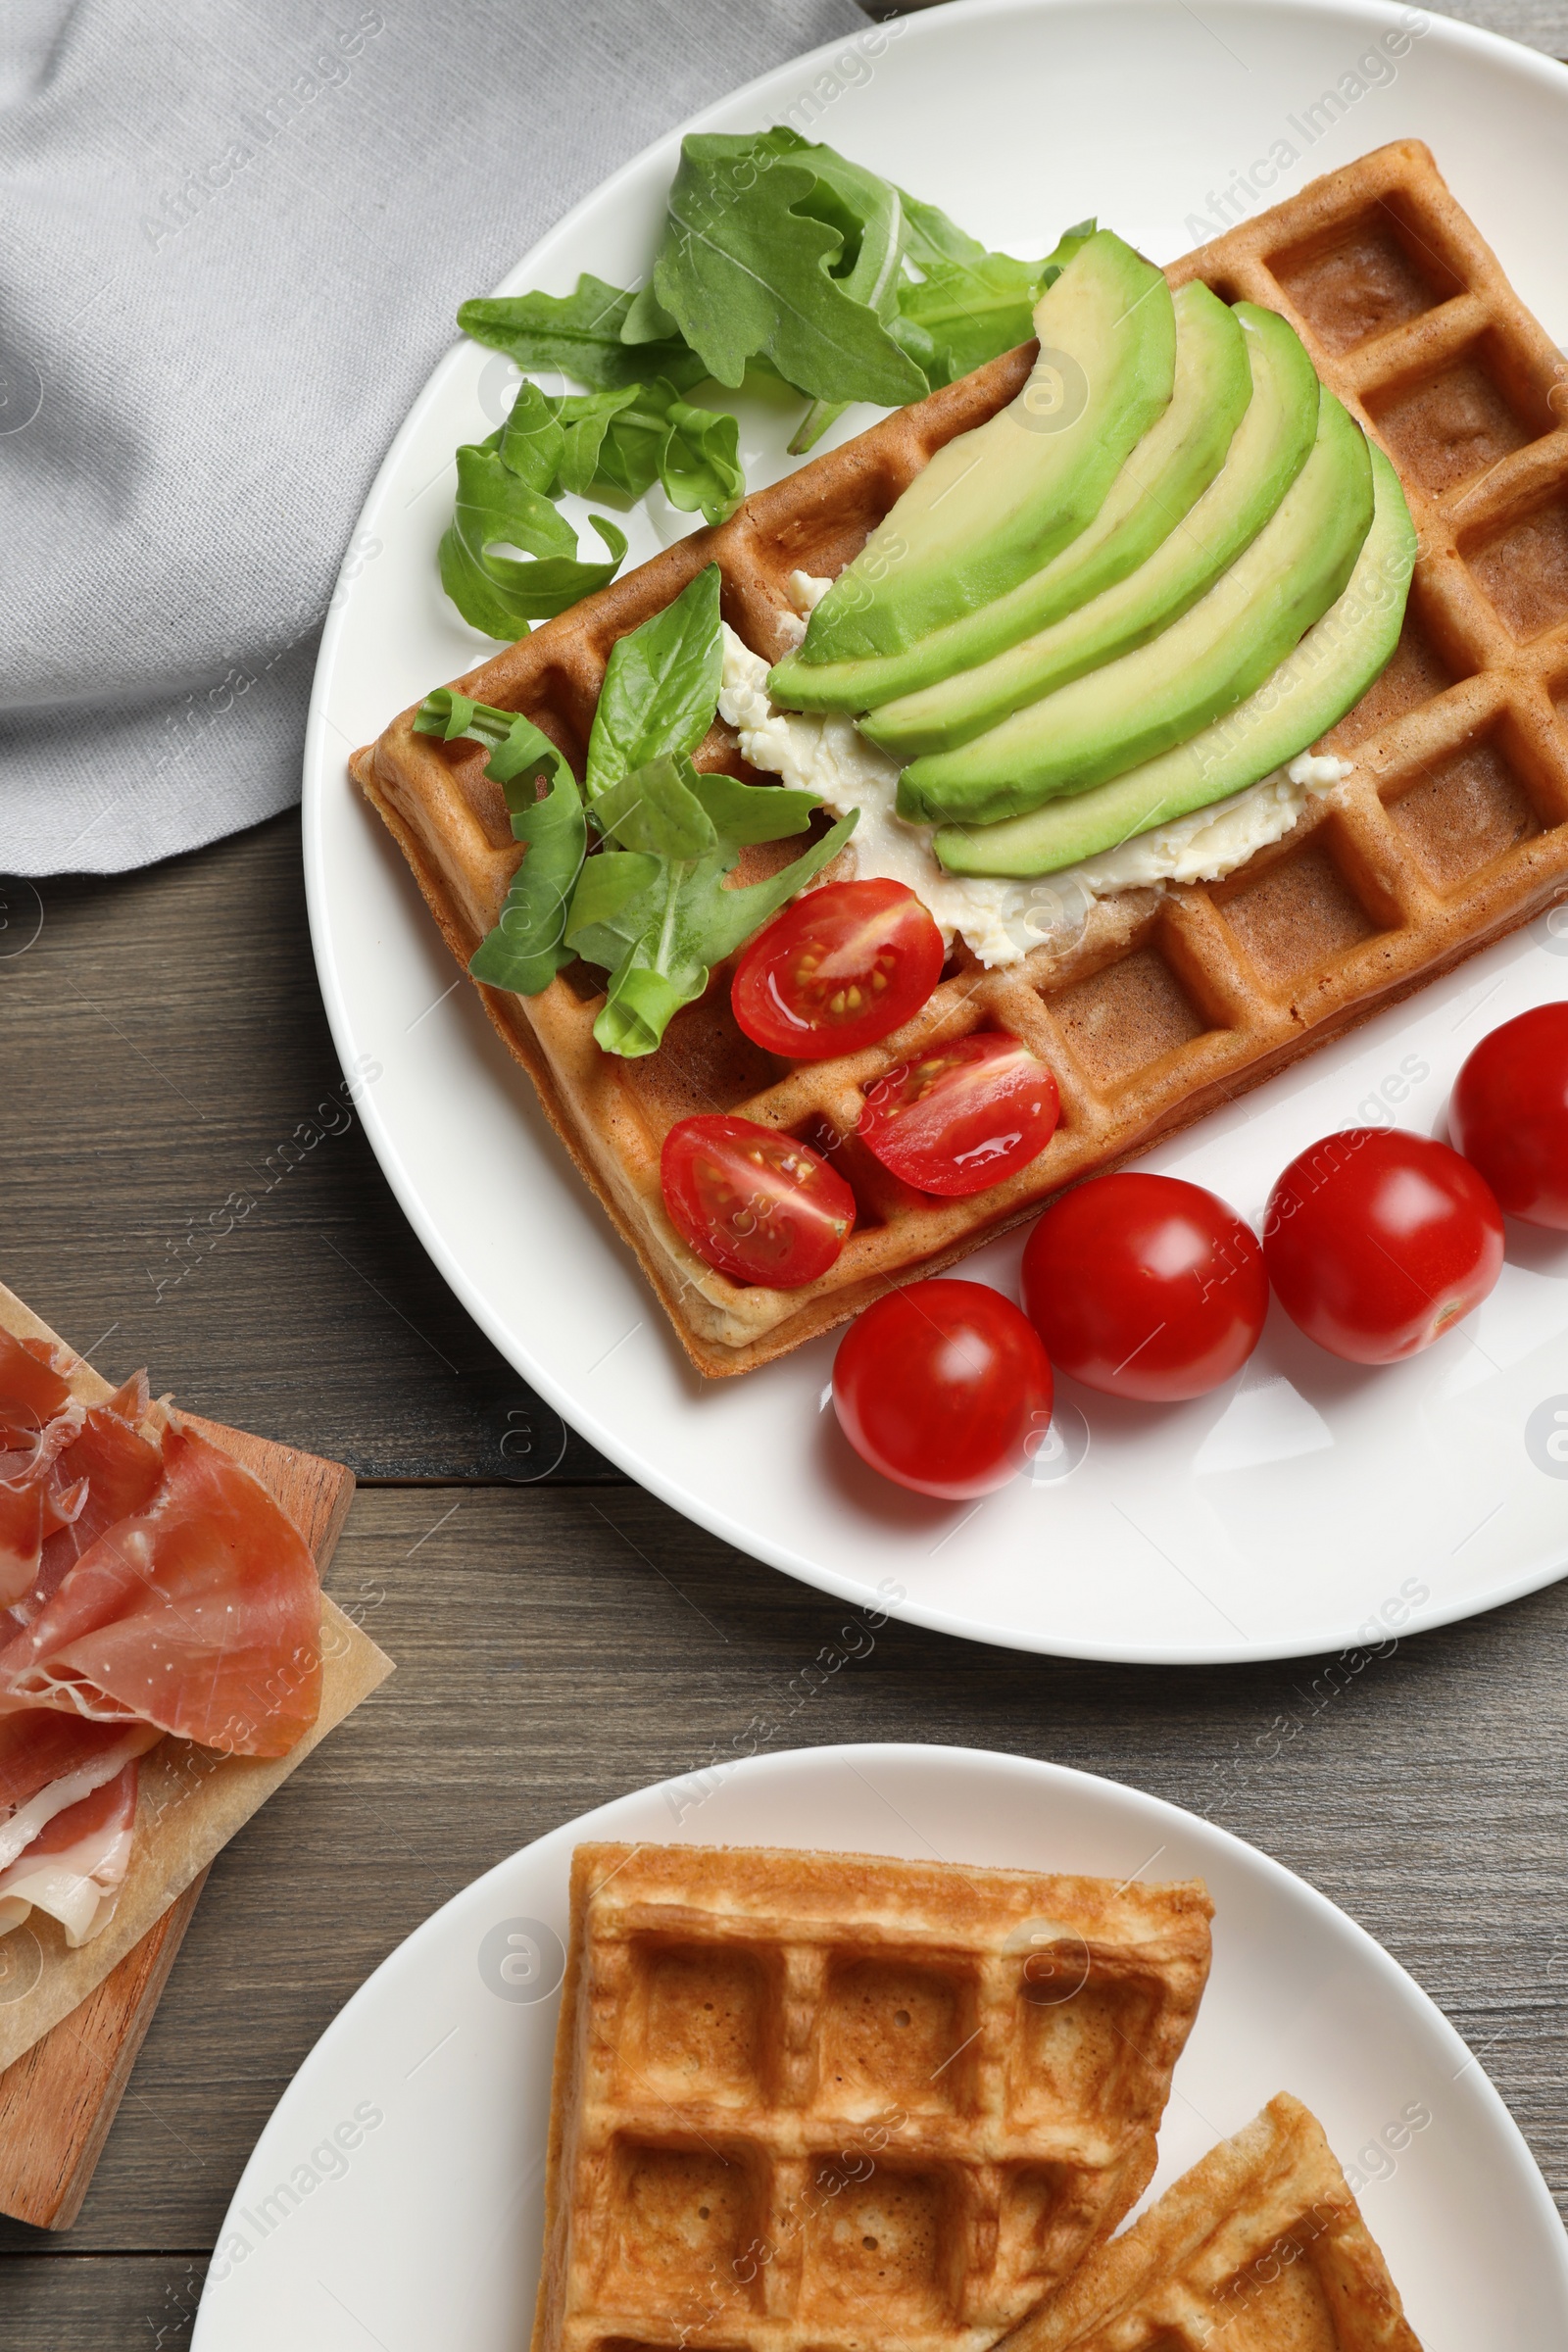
x,y
1260,2248
816,2100
1453,830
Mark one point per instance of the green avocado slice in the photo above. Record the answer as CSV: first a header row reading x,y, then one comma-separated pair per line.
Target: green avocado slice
x,y
1170,468
1309,693
1033,476
1202,666
1271,446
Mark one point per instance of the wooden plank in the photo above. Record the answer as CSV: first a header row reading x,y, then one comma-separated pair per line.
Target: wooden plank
x,y
168,1063
558,1648
88,2301
57,2099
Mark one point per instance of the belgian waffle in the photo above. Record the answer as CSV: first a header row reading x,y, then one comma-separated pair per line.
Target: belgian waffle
x,y
1452,829
841,2102
1260,2248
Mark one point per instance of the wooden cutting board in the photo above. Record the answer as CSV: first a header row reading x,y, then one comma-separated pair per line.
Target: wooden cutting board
x,y
59,2098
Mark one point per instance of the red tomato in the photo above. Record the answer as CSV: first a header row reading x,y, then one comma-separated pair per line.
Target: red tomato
x,y
963,1115
945,1388
754,1203
1376,1241
1145,1286
1509,1114
842,967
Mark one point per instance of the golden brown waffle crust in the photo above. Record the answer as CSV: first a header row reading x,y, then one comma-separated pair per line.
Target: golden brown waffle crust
x,y
1453,830
1216,2260
662,1936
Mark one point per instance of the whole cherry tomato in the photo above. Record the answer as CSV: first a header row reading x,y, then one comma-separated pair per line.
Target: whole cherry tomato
x,y
1376,1241
841,967
754,1203
1145,1286
943,1387
1509,1114
963,1115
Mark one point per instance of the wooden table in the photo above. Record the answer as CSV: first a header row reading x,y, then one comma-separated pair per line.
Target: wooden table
x,y
560,1641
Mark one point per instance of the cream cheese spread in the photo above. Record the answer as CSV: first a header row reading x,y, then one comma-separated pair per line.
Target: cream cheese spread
x,y
1000,921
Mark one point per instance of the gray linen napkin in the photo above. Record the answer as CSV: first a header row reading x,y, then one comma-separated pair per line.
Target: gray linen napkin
x,y
232,237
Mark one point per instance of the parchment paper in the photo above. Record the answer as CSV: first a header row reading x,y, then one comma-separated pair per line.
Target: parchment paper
x,y
192,1800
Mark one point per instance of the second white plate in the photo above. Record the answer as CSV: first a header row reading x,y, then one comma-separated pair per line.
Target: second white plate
x,y
395,2198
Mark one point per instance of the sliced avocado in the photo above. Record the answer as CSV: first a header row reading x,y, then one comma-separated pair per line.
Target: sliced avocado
x,y
1170,468
1271,446
1032,477
1309,692
1201,666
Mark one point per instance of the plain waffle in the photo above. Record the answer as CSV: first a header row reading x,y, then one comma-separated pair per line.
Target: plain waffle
x,y
846,2103
1260,2248
1453,830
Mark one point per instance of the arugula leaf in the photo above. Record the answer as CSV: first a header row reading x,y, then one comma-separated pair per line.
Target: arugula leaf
x,y
654,810
498,507
580,333
969,309
675,930
649,906
526,946
618,444
661,686
930,238
750,813
870,213
745,268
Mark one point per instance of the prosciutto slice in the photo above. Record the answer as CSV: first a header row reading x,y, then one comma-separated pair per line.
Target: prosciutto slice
x,y
50,1762
76,1866
200,1614
39,1418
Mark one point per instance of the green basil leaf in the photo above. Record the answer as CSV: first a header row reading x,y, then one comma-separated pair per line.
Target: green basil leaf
x,y
743,270
748,813
661,686
580,333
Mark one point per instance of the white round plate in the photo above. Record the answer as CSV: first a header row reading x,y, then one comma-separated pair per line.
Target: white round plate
x,y
395,2198
1310,1502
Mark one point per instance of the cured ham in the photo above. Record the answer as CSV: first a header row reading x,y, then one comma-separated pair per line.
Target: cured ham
x,y
50,1762
200,1614
118,1471
76,1866
148,1586
38,1419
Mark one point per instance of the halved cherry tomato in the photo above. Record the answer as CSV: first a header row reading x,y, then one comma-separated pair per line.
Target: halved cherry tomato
x,y
841,967
1509,1114
1145,1286
945,1388
754,1203
1377,1242
963,1115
